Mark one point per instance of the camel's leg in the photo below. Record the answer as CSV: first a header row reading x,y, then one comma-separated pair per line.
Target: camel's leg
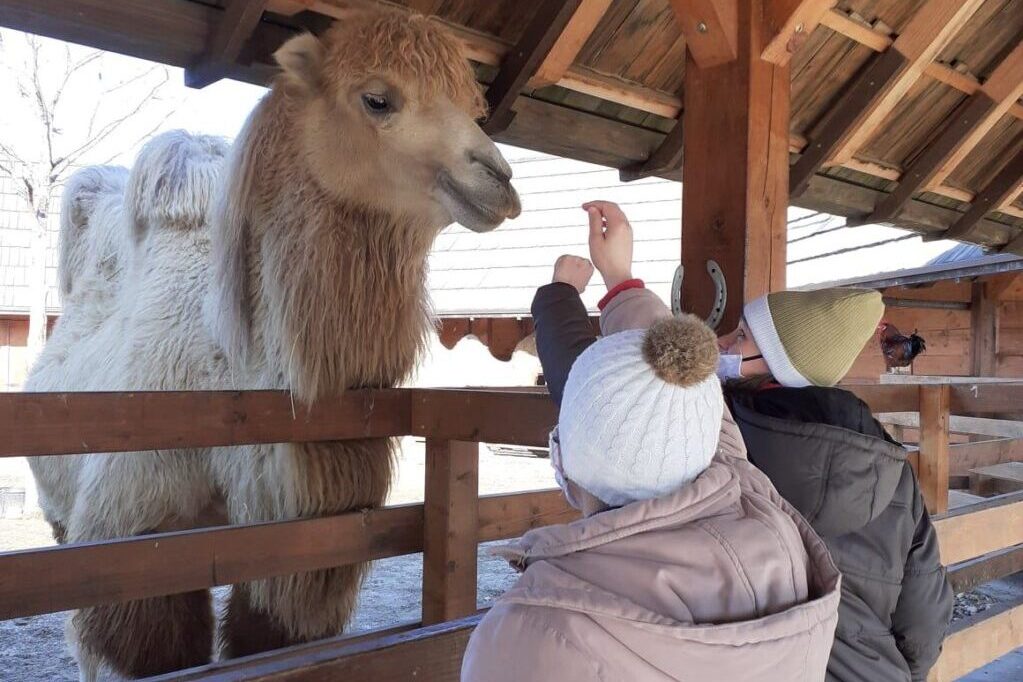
x,y
146,637
300,481
137,494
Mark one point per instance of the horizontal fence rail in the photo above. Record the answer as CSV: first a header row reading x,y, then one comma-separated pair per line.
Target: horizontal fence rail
x,y
977,542
73,576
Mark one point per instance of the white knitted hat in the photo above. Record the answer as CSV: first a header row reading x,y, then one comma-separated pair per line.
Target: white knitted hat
x,y
641,411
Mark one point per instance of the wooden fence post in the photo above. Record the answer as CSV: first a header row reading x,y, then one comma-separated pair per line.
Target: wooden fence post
x,y
451,518
933,471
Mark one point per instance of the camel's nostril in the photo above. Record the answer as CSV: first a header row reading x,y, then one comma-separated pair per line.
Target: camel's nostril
x,y
500,171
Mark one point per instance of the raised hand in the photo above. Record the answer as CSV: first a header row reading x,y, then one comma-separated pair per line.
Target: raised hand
x,y
610,242
573,270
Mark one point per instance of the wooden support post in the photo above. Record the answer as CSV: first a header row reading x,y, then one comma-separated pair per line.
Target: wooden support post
x,y
710,28
983,330
935,403
451,522
735,174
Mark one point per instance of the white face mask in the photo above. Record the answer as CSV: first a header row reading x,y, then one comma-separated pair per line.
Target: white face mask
x,y
729,366
559,473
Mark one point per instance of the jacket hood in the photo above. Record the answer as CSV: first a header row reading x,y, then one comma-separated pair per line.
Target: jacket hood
x,y
651,636
838,479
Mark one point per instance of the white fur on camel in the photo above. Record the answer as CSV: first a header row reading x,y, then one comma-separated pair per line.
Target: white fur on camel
x,y
296,261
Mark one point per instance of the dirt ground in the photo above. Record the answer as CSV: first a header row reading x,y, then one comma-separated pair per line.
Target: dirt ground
x,y
33,649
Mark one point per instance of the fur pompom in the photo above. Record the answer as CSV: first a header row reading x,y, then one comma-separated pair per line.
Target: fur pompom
x,y
682,350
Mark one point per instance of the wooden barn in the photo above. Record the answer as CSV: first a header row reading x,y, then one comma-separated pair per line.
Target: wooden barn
x,y
903,112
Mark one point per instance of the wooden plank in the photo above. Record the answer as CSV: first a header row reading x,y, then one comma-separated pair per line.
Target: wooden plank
x,y
983,330
969,574
879,87
710,28
522,62
571,41
886,398
967,127
1002,89
966,456
1002,187
451,524
987,398
72,576
734,171
788,24
934,443
488,416
665,159
509,516
73,423
860,31
980,643
997,479
432,653
973,531
234,28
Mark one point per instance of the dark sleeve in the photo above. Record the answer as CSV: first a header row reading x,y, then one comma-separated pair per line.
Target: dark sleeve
x,y
563,332
924,609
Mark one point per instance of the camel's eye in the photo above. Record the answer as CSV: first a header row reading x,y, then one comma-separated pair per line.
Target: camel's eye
x,y
376,104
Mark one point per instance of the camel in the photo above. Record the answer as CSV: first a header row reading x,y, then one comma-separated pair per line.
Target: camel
x,y
294,259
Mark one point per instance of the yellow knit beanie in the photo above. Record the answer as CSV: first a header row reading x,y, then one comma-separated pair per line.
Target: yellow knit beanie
x,y
813,337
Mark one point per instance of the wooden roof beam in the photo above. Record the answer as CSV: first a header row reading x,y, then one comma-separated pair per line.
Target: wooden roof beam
x,y
580,27
1000,91
235,26
1004,186
665,159
968,126
537,45
788,23
880,86
710,28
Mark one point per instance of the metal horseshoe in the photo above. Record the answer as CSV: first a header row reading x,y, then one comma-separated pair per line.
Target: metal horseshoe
x,y
720,293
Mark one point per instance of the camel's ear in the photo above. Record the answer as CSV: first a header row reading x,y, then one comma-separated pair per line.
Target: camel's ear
x,y
302,59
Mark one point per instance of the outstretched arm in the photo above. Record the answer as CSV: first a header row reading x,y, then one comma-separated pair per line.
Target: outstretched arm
x,y
561,323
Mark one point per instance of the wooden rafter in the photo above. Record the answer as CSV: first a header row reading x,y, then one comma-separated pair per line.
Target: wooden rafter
x,y
236,25
880,86
1001,91
579,29
1005,184
930,29
665,159
971,122
787,25
535,47
710,28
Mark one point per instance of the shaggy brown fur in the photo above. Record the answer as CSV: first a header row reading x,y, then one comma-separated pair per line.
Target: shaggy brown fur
x,y
682,350
150,636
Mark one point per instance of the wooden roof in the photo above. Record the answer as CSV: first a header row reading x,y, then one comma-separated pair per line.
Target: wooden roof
x,y
903,111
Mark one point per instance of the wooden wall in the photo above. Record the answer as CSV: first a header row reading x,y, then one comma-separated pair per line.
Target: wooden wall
x,y
13,354
949,333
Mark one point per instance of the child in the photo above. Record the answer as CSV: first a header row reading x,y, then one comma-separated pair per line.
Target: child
x,y
687,563
819,445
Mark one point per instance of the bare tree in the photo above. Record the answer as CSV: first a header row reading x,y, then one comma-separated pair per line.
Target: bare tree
x,y
69,116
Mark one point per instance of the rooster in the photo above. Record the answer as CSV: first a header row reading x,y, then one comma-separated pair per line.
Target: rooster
x,y
898,350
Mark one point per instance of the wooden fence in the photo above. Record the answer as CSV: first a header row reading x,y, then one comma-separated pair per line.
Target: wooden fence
x,y
978,543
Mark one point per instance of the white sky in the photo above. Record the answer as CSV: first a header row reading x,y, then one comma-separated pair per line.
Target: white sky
x,y
221,109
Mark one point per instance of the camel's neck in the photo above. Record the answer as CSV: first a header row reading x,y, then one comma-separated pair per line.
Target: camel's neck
x,y
339,290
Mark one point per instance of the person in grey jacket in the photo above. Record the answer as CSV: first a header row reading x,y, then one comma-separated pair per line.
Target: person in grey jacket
x,y
819,445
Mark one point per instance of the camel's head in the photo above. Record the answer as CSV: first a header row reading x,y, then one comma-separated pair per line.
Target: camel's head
x,y
386,108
